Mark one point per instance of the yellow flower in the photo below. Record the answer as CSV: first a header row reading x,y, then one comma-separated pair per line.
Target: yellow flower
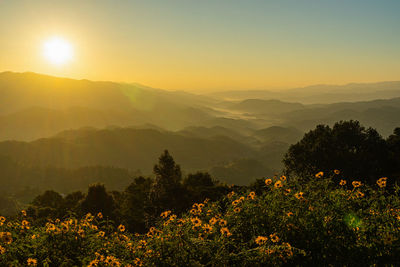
x,y
287,191
283,178
382,182
165,214
121,228
299,195
356,184
225,231
223,222
2,219
235,202
101,234
207,228
25,224
268,181
252,195
31,262
359,194
81,233
274,238
289,214
93,263
196,221
261,240
23,212
237,210
343,182
89,217
100,215
336,171
213,220
50,227
319,175
2,250
278,184
6,237
231,194
137,262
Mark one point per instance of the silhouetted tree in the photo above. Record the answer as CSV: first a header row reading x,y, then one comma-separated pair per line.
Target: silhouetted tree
x,y
135,203
72,202
98,200
200,186
47,205
359,153
167,190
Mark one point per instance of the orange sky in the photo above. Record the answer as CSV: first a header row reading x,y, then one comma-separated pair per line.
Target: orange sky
x,y
207,45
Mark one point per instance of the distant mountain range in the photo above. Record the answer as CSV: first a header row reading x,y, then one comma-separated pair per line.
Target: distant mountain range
x,y
237,136
319,94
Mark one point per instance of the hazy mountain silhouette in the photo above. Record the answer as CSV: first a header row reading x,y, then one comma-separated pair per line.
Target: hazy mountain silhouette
x,y
320,93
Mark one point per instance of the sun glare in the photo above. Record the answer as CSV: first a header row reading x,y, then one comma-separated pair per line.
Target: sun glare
x,y
57,51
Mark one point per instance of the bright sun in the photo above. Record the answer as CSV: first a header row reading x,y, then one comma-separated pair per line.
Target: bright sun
x,y
57,51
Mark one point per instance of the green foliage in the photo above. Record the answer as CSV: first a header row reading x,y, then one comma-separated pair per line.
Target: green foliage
x,y
360,153
320,222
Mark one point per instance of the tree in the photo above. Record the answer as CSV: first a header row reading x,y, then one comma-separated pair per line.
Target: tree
x,y
167,191
135,203
98,200
359,153
393,142
200,186
47,205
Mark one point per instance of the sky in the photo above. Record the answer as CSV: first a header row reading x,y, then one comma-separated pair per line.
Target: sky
x,y
200,45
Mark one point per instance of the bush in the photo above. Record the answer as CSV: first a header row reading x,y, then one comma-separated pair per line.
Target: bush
x,y
321,222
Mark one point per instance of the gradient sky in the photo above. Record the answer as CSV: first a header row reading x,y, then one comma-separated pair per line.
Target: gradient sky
x,y
208,44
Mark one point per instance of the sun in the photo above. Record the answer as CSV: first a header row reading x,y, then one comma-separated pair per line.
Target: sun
x,y
57,51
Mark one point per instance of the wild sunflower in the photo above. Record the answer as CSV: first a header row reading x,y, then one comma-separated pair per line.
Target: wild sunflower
x,y
274,238
6,237
251,195
235,202
165,214
299,195
268,182
225,231
223,222
25,224
208,229
319,175
50,227
283,178
278,184
382,182
213,220
31,262
261,240
121,228
101,234
359,194
336,172
343,182
196,221
356,184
